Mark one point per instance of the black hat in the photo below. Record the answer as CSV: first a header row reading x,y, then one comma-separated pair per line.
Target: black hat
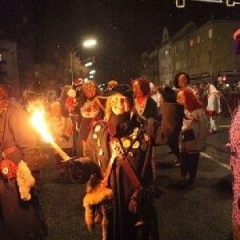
x,y
123,89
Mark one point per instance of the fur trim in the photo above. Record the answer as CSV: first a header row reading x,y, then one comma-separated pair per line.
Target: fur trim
x,y
25,180
92,204
97,196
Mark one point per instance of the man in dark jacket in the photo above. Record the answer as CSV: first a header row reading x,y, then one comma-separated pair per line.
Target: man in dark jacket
x,y
20,165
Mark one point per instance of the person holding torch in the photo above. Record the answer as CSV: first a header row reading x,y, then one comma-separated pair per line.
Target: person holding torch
x,y
118,157
20,165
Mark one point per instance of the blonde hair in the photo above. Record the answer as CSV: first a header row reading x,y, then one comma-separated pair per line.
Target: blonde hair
x,y
108,109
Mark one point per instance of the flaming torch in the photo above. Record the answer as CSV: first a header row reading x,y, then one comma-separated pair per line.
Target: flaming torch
x,y
38,122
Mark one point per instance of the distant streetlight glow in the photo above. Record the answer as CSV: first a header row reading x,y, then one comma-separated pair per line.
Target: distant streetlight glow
x,y
89,43
92,72
88,64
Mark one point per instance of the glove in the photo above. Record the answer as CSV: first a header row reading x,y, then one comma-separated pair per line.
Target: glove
x,y
25,181
8,169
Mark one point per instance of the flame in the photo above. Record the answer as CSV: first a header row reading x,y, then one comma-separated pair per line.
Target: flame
x,y
38,122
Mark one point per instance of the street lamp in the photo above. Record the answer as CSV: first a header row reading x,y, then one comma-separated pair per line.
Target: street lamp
x,y
88,43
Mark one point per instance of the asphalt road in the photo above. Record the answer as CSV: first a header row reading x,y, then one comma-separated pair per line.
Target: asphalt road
x,y
202,212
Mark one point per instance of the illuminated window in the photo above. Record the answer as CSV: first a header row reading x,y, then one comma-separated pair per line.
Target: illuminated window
x,y
210,33
198,39
0,57
191,42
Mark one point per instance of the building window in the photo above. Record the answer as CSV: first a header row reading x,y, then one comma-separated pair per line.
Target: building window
x,y
191,62
0,57
191,42
166,53
174,49
181,46
184,65
210,33
210,56
198,40
178,66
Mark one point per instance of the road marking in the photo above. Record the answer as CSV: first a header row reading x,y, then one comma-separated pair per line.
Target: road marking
x,y
216,161
224,126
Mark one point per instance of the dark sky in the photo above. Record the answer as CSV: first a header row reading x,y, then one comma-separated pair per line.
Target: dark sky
x,y
123,28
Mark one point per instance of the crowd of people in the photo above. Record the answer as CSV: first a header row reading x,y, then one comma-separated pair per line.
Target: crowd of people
x,y
111,140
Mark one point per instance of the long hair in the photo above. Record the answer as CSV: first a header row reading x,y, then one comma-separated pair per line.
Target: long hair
x,y
108,109
143,84
191,101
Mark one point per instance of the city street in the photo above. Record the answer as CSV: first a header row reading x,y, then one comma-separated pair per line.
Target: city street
x,y
201,212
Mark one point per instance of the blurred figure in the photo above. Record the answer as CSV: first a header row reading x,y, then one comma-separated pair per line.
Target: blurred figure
x,y
90,111
144,105
61,128
193,135
213,108
236,38
181,80
21,163
111,84
156,96
172,115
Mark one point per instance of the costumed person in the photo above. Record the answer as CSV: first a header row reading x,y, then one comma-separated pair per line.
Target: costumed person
x,y
64,100
193,135
91,110
119,152
213,108
20,181
71,105
236,38
61,128
234,147
145,106
181,81
111,84
156,96
171,127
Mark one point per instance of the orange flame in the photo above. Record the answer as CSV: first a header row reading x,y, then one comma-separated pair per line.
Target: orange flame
x,y
38,122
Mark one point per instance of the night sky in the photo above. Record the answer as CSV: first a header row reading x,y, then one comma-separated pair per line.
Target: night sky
x,y
123,28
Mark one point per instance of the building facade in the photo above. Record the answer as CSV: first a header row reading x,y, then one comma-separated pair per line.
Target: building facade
x,y
205,53
9,70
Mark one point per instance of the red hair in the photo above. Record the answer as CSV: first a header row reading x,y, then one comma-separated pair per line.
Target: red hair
x,y
191,101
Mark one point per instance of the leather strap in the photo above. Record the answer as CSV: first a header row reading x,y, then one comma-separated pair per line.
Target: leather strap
x,y
127,166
